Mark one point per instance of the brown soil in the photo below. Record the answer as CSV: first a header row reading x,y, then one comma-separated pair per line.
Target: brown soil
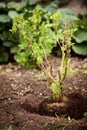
x,y
24,104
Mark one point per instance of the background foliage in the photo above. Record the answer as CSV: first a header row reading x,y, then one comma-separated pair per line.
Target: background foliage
x,y
28,16
8,11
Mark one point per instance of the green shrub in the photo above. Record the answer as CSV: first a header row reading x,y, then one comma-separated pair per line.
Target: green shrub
x,y
38,35
33,31
7,40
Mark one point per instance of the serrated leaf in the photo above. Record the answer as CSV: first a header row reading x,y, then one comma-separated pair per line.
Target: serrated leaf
x,y
4,18
80,49
12,14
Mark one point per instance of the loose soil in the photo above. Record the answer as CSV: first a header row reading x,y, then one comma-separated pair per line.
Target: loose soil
x,y
24,95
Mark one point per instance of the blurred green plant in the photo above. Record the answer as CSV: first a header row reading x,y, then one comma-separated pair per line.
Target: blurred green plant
x,y
80,36
33,33
9,11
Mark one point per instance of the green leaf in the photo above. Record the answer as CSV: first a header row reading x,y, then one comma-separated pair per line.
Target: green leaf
x,y
12,14
55,88
52,7
80,49
14,49
15,5
7,43
67,15
4,18
2,5
21,58
27,15
80,36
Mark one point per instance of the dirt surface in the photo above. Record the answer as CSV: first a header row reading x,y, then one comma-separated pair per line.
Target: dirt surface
x,y
22,87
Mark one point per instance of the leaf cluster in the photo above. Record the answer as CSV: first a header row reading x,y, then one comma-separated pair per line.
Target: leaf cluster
x,y
38,29
80,36
34,34
8,11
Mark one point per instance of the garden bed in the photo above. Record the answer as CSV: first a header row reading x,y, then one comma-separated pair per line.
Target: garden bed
x,y
25,99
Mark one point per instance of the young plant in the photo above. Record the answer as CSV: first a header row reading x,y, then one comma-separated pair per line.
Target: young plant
x,y
37,37
64,36
65,45
57,83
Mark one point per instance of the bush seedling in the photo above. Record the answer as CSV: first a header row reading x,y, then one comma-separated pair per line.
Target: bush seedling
x,y
64,36
37,37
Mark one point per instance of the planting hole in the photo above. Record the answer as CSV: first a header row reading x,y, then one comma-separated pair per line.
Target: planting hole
x,y
74,106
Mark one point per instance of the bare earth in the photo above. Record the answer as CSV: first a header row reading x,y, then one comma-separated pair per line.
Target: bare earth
x,y
18,85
